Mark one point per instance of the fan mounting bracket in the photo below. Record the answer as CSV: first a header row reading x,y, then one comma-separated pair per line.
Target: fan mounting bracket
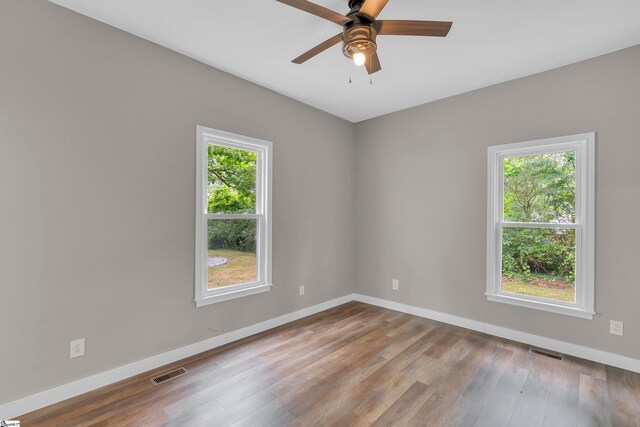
x,y
355,3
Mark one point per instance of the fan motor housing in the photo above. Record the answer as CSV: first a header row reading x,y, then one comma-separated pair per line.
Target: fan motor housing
x,y
359,37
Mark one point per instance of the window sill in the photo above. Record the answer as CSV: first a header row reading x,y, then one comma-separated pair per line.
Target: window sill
x,y
232,294
541,305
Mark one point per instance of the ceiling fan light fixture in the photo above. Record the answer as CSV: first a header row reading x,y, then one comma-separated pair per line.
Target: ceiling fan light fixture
x,y
359,40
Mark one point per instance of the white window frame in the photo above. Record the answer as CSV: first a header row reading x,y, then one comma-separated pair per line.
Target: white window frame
x,y
263,150
584,146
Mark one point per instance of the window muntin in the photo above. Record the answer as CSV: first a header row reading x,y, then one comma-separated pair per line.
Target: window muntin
x,y
233,231
540,224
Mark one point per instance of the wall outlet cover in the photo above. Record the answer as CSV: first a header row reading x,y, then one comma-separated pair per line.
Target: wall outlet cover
x,y
616,327
395,284
301,290
76,348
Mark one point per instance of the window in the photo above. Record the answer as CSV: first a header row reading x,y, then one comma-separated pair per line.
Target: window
x,y
540,224
233,216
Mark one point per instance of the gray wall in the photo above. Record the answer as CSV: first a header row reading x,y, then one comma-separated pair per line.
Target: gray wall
x,y
97,183
421,199
97,153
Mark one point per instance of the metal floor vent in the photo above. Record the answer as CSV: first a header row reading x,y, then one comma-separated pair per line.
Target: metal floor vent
x,y
544,353
169,375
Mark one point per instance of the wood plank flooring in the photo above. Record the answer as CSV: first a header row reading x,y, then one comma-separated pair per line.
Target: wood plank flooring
x,y
359,365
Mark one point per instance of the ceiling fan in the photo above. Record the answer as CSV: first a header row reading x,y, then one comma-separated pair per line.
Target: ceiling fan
x,y
360,29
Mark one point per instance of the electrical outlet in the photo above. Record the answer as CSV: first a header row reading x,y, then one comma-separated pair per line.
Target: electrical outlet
x,y
301,290
395,284
616,327
76,348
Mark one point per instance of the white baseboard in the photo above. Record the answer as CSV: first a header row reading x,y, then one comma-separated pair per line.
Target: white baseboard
x,y
27,404
563,347
30,403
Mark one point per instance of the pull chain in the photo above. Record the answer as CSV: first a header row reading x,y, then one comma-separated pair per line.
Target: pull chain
x,y
351,80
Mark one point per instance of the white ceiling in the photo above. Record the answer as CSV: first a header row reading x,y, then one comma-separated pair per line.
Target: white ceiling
x,y
491,41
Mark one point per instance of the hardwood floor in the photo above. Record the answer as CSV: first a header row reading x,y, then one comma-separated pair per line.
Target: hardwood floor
x,y
362,365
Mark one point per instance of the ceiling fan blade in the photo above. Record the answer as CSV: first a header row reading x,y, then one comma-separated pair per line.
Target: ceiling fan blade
x,y
373,64
318,49
317,10
413,28
372,8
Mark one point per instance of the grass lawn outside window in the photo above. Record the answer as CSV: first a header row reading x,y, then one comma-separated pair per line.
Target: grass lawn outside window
x,y
240,268
553,288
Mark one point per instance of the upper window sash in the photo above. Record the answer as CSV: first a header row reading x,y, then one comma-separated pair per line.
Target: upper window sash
x,y
533,150
231,141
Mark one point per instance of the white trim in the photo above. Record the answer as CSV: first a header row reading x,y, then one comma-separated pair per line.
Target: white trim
x,y
562,226
233,293
584,147
563,347
36,401
541,304
232,216
30,403
262,216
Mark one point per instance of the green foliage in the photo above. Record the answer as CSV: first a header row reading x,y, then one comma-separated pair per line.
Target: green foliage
x,y
232,180
539,251
237,234
539,188
232,190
